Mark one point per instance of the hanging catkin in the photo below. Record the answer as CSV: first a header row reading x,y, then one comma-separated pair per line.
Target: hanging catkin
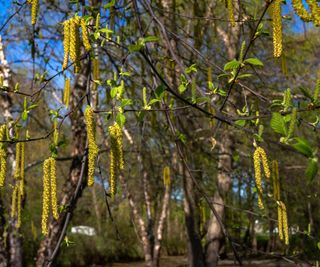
x,y
3,156
66,92
259,157
315,11
166,176
85,35
66,43
75,43
49,193
231,13
93,149
116,156
280,221
53,188
277,28
19,164
95,72
301,11
45,196
34,11
285,223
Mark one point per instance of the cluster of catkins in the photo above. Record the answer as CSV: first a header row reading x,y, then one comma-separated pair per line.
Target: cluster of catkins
x,y
49,193
71,41
259,157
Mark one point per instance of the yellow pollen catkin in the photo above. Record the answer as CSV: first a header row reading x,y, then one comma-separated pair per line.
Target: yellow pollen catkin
x,y
277,28
280,221
315,11
93,149
14,202
166,176
259,157
75,43
285,223
116,156
264,161
66,93
301,11
3,156
22,160
66,43
53,184
18,158
85,35
34,11
231,13
95,72
45,196
19,203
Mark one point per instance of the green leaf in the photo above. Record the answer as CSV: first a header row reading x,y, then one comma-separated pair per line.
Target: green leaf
x,y
312,169
278,124
303,147
126,102
121,119
241,123
233,64
150,39
24,115
135,47
152,101
190,69
113,92
159,91
254,61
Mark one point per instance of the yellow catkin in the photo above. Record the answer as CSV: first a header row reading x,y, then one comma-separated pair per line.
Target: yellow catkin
x,y
75,43
53,184
3,156
66,43
301,11
280,221
166,176
284,223
19,203
277,28
66,93
120,146
257,171
116,156
21,187
45,196
112,175
315,11
85,35
14,202
22,160
276,181
95,72
93,149
231,13
18,161
264,161
34,11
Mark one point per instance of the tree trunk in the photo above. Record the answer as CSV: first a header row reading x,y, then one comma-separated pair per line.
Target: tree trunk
x,y
195,252
49,243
